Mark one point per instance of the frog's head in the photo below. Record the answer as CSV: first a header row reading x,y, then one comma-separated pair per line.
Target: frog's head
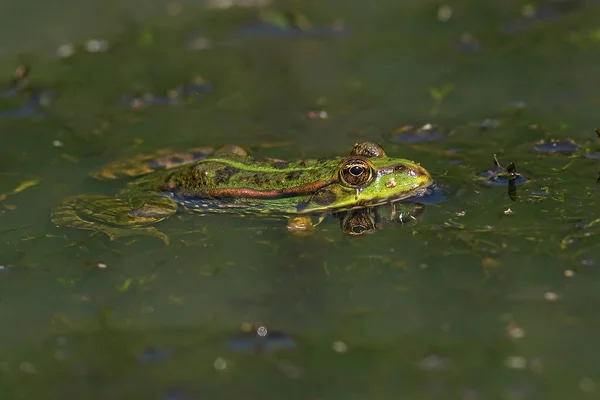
x,y
368,177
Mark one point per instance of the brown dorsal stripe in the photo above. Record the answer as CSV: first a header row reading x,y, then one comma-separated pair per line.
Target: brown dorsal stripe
x,y
258,194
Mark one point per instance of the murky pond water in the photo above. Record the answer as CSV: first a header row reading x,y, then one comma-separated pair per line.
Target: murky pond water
x,y
491,294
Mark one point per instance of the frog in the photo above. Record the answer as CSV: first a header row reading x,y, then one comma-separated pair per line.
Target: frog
x,y
230,180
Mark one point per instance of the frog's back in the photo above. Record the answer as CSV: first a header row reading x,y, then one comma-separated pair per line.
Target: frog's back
x,y
248,177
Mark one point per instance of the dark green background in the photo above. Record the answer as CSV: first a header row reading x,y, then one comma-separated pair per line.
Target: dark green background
x,y
424,310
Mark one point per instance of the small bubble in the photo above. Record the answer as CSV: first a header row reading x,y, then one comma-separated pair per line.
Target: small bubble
x,y
509,211
102,265
220,364
587,385
588,262
65,50
261,331
27,367
339,347
461,213
96,45
444,13
514,331
550,296
569,273
57,143
515,362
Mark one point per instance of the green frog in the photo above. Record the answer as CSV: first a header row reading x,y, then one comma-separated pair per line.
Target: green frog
x,y
229,180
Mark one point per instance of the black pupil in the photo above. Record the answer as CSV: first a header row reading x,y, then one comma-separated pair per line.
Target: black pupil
x,y
356,170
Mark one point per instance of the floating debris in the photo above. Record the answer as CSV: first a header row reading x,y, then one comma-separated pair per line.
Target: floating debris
x,y
6,268
222,4
435,362
177,394
503,176
37,99
489,124
153,355
468,43
552,146
546,10
316,115
187,91
199,43
514,331
259,339
517,104
411,134
290,24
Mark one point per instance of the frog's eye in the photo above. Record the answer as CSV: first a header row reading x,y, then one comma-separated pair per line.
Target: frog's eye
x,y
356,172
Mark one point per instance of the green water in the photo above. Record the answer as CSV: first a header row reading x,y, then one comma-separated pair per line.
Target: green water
x,y
483,305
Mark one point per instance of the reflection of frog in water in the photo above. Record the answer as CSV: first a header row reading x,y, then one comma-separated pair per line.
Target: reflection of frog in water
x,y
230,181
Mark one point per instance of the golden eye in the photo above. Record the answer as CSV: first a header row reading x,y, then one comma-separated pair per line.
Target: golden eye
x,y
356,172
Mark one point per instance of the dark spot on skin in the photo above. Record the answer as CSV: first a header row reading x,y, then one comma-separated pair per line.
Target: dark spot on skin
x,y
293,175
176,160
224,174
280,164
324,197
399,168
261,179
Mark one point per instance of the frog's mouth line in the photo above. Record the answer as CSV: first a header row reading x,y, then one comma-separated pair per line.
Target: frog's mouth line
x,y
381,201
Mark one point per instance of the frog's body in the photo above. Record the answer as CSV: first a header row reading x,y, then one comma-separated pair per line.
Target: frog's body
x,y
229,180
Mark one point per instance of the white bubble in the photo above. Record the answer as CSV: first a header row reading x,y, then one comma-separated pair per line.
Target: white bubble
x,y
65,50
515,362
339,347
261,331
220,364
444,13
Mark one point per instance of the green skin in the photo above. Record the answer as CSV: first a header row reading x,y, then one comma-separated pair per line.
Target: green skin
x,y
231,181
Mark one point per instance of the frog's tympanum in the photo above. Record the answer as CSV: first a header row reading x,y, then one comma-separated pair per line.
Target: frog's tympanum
x,y
230,181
